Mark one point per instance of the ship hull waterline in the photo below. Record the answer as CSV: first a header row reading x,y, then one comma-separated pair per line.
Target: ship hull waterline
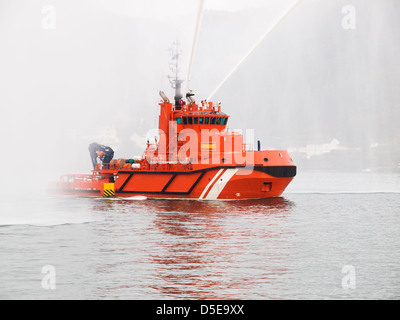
x,y
213,183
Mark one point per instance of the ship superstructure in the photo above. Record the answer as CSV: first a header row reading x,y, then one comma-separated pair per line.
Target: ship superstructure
x,y
194,157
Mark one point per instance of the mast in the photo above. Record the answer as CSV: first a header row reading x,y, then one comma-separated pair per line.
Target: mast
x,y
176,83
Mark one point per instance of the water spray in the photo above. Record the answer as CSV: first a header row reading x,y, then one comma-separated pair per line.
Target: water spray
x,y
288,11
196,34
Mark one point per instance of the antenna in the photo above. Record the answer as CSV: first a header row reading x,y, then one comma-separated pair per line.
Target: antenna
x,y
174,67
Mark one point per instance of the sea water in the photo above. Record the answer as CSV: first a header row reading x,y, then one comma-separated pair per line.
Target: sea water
x,y
330,236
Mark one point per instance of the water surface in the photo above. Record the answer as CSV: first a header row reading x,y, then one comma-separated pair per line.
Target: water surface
x,y
292,247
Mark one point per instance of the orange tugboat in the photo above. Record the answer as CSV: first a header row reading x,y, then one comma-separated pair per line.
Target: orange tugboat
x,y
194,157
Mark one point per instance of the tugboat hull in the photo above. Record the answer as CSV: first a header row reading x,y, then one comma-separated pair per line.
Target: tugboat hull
x,y
214,183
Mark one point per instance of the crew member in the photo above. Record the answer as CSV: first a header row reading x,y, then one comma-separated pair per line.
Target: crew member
x,y
103,152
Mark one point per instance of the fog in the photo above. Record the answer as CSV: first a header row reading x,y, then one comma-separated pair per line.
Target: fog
x,y
323,84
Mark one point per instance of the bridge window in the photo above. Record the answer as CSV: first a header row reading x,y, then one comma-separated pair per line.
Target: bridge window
x,y
224,121
206,120
190,120
196,120
212,120
179,120
201,120
218,120
184,120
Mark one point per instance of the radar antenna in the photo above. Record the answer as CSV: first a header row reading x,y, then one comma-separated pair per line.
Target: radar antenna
x,y
176,83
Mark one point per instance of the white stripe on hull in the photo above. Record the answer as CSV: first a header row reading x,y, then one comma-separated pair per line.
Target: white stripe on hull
x,y
210,183
220,184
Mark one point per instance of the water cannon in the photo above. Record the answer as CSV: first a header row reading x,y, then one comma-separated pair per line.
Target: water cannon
x,y
164,97
189,96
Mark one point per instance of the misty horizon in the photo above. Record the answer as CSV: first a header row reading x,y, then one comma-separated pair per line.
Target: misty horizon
x,y
93,73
